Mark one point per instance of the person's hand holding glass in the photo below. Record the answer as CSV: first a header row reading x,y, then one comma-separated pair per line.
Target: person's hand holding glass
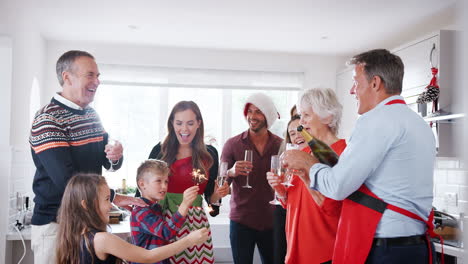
x,y
289,172
114,152
275,177
242,167
221,188
249,158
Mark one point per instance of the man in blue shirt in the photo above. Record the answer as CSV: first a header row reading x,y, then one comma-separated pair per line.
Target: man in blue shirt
x,y
385,174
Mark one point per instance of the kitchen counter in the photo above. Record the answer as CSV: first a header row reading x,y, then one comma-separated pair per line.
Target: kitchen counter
x,y
450,250
220,231
122,230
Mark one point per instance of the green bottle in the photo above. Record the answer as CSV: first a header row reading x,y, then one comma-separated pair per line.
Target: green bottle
x,y
321,151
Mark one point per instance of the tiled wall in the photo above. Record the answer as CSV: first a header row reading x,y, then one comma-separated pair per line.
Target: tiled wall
x,y
450,176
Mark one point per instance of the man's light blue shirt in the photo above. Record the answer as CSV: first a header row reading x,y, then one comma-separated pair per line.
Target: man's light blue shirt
x,y
392,151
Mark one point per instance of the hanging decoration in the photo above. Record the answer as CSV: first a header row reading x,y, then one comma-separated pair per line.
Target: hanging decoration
x,y
431,93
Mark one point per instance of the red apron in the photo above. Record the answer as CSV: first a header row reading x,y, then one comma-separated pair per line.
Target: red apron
x,y
360,215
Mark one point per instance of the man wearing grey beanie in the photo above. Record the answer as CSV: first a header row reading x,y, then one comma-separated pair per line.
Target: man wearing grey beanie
x,y
251,213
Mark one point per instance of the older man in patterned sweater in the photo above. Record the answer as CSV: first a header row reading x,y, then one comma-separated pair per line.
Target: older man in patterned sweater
x,y
67,137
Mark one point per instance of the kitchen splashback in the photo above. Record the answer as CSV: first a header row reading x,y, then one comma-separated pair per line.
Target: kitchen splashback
x,y
450,186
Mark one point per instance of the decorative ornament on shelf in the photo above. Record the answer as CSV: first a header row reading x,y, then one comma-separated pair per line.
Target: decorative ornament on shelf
x,y
432,91
198,177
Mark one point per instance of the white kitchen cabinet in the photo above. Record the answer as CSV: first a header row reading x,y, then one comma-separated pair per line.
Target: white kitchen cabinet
x,y
417,67
416,58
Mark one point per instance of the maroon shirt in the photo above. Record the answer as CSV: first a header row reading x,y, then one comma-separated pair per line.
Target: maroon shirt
x,y
251,207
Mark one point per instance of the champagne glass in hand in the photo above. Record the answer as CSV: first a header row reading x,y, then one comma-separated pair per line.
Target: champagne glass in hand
x,y
111,142
289,173
276,169
248,157
223,173
222,176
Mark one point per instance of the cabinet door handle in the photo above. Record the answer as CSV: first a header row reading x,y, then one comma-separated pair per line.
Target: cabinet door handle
x,y
430,56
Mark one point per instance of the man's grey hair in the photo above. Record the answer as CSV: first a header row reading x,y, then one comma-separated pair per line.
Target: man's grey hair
x,y
380,62
324,103
65,62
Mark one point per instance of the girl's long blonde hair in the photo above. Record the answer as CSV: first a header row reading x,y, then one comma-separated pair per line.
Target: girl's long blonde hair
x,y
75,221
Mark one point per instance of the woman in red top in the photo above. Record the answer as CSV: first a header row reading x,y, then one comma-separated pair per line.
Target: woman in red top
x,y
184,150
311,218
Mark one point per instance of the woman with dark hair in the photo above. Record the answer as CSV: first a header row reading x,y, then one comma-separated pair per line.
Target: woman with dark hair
x,y
185,152
279,215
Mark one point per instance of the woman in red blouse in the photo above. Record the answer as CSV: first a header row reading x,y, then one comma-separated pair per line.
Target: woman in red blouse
x,y
185,151
311,218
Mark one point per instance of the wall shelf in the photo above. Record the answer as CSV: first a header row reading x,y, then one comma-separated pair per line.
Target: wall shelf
x,y
444,118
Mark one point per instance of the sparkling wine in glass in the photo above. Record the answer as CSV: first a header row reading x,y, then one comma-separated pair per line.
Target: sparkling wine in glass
x,y
289,173
276,169
111,142
222,176
248,157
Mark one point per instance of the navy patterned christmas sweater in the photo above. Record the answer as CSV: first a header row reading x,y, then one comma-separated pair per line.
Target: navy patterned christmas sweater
x,y
64,140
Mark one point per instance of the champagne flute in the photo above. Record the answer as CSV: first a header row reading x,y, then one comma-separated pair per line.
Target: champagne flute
x,y
111,142
289,173
222,176
248,157
276,169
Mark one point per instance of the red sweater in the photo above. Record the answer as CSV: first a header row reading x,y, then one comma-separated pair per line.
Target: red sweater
x,y
310,228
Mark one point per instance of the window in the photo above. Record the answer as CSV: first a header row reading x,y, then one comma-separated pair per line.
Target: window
x,y
130,114
210,104
134,103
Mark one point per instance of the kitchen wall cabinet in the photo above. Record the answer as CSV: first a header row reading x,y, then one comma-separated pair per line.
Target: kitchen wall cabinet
x,y
416,58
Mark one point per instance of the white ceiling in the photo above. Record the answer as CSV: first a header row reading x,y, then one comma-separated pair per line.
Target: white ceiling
x,y
338,27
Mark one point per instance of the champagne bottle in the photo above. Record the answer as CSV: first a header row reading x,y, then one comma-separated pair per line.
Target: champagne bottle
x,y
321,151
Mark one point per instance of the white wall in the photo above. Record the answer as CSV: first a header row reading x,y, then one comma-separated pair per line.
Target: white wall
x,y
27,64
344,81
5,153
319,70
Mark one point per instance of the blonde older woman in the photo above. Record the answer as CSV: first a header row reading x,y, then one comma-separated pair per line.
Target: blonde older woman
x,y
311,218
